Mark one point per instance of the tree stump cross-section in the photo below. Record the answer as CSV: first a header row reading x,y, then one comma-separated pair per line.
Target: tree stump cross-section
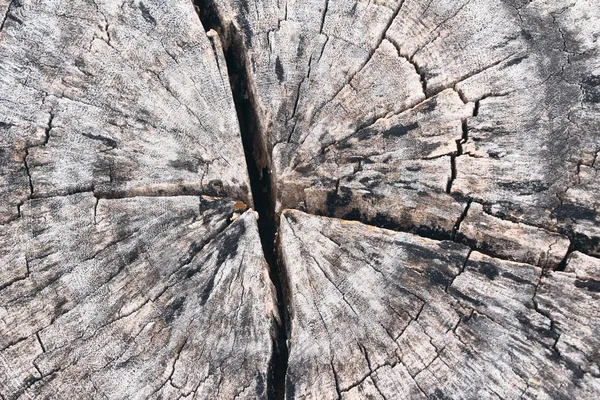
x,y
424,176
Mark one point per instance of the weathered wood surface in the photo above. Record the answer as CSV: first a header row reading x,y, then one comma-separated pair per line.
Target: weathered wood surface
x,y
382,314
122,99
131,267
134,298
399,112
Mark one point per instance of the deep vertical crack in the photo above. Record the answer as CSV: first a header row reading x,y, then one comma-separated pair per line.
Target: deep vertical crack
x,y
28,172
49,128
476,108
572,248
459,152
461,219
324,15
259,170
234,40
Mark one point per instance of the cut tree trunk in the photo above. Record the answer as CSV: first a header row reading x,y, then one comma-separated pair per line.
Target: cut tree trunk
x,y
424,175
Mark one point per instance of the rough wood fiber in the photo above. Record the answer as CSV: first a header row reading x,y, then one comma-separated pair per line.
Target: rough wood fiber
x,y
398,112
512,240
134,298
130,267
382,314
122,98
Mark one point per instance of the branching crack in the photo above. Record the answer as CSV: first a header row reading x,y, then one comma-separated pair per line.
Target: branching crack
x,y
369,57
259,166
418,69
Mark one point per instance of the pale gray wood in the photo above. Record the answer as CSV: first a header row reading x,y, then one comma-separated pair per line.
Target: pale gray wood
x,y
348,95
383,314
135,298
571,299
583,266
119,98
512,240
131,268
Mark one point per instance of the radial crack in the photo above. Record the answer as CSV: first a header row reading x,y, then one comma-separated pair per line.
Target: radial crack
x,y
258,162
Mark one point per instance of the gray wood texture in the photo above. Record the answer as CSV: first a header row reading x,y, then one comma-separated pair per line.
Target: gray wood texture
x,y
119,99
134,298
384,315
104,291
428,169
400,112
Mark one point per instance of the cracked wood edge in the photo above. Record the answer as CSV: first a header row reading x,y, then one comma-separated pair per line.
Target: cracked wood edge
x,y
379,53
329,82
105,292
124,100
157,297
382,314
